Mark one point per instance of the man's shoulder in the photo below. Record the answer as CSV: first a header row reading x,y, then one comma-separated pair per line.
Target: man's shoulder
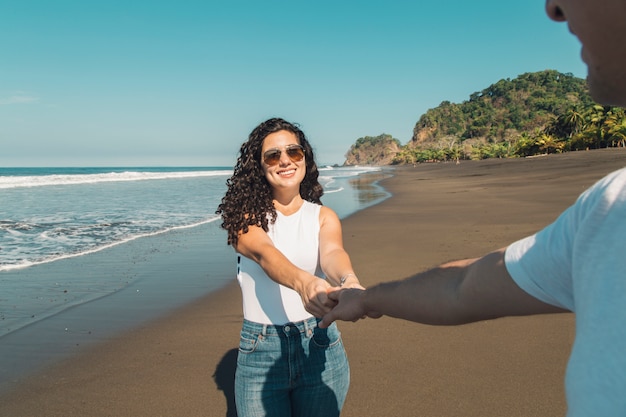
x,y
612,187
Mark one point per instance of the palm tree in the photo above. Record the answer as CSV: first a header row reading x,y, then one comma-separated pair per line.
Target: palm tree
x,y
526,145
566,124
549,144
616,125
574,120
595,129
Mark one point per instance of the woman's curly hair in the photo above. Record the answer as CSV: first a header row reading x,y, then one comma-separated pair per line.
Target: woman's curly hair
x,y
249,199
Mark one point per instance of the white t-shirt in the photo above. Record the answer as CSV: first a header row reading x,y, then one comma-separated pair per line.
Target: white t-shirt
x,y
297,237
579,263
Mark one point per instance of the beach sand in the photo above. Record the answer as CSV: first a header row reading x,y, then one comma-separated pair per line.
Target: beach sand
x,y
183,364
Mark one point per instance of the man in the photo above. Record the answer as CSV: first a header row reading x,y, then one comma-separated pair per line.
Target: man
x,y
575,264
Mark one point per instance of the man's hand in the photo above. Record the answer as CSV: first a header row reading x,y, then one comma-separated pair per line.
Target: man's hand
x,y
350,306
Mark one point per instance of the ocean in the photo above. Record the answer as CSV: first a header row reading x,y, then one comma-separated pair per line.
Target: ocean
x,y
48,215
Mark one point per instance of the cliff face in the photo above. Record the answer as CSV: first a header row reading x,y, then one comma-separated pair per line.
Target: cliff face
x,y
378,150
422,134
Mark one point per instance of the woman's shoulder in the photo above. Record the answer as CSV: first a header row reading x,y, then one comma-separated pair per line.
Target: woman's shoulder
x,y
326,213
310,207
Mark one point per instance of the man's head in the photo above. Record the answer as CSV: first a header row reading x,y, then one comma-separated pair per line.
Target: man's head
x,y
600,25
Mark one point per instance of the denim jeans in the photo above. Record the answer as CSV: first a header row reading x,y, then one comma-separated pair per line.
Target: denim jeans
x,y
295,370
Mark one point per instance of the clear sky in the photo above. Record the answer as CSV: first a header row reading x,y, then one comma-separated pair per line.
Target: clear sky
x,y
151,82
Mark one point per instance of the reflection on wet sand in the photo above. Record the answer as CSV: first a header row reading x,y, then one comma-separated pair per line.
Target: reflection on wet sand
x,y
369,191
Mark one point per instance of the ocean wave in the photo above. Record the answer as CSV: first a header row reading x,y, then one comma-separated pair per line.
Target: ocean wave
x,y
351,171
17,181
25,263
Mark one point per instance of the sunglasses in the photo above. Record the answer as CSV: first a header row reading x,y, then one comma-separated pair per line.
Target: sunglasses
x,y
294,152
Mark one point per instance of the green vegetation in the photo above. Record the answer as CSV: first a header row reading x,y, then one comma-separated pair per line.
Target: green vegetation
x,y
536,113
373,150
372,141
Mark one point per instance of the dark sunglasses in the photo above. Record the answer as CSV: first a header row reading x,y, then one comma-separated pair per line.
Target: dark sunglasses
x,y
294,152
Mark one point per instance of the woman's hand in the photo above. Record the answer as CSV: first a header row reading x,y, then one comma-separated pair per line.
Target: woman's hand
x,y
314,294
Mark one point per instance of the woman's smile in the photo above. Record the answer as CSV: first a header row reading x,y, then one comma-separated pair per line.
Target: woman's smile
x,y
287,173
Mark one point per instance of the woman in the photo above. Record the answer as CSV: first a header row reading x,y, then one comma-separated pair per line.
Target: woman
x,y
290,252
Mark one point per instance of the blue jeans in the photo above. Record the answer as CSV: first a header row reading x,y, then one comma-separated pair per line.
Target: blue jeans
x,y
296,370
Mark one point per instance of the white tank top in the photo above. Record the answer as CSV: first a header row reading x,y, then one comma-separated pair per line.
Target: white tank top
x,y
297,237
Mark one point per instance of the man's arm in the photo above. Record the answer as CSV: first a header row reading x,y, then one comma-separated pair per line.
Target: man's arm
x,y
453,293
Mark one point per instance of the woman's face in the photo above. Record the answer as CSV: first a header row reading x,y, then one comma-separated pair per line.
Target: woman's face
x,y
286,169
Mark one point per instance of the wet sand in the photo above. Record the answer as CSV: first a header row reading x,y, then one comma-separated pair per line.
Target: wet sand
x,y
183,364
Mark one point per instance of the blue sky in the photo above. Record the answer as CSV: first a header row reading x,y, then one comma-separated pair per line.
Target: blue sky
x,y
132,83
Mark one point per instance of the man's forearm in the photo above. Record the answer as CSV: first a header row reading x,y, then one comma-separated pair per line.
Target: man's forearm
x,y
430,297
458,292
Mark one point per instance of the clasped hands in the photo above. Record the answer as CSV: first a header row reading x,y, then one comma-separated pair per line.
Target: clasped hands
x,y
334,303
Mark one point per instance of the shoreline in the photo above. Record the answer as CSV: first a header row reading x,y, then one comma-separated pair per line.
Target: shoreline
x,y
183,362
149,288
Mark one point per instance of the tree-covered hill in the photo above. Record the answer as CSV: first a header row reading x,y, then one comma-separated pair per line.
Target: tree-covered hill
x,y
379,150
535,113
526,103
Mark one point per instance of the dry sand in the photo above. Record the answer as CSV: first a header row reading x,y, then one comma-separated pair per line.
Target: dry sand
x,y
183,364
